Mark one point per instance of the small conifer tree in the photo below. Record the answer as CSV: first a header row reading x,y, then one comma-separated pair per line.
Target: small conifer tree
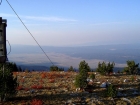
x,y
105,68
111,91
81,79
92,76
8,83
84,65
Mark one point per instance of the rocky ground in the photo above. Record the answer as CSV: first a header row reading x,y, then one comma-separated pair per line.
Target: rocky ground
x,y
57,88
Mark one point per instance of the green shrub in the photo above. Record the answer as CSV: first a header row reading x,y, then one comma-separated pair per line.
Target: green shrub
x,y
92,76
8,83
26,71
132,67
81,79
105,68
111,91
84,65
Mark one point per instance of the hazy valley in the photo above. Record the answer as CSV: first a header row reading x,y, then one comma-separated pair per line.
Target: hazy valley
x,y
31,57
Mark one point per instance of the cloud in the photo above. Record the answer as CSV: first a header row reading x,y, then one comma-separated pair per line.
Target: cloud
x,y
38,18
108,23
49,18
7,15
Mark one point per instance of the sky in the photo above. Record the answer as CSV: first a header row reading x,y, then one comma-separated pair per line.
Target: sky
x,y
72,22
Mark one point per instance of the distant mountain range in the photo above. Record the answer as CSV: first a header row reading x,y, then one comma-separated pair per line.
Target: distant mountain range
x,y
32,57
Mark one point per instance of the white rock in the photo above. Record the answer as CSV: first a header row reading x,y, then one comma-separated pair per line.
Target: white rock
x,y
127,100
77,89
120,88
125,80
88,79
98,82
103,85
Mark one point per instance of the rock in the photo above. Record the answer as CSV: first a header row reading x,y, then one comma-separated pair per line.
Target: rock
x,y
119,94
125,80
103,85
127,100
135,93
88,99
120,88
69,101
98,82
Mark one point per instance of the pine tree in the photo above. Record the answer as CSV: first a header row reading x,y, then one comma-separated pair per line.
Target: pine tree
x,y
132,67
19,69
81,79
71,69
105,68
92,76
54,68
84,65
8,83
111,91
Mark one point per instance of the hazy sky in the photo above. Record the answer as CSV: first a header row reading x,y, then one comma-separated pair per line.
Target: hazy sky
x,y
73,22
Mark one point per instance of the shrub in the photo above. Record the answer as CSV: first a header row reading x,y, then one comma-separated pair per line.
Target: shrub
x,y
8,84
104,68
19,88
84,65
80,82
71,69
26,71
132,67
111,91
81,79
92,76
34,86
36,102
133,78
43,75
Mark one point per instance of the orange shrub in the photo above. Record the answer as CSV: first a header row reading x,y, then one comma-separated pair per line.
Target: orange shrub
x,y
36,102
40,87
26,89
19,88
51,80
34,87
41,81
37,87
49,88
43,75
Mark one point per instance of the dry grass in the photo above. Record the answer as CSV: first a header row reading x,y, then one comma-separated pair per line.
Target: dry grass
x,y
57,88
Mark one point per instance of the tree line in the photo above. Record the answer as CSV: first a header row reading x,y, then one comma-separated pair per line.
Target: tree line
x,y
103,67
13,66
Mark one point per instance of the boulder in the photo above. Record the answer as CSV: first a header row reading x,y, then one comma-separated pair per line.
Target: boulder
x,y
103,85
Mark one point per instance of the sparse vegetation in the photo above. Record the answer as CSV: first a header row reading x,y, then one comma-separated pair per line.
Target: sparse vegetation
x,y
132,67
56,68
57,86
104,68
71,69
